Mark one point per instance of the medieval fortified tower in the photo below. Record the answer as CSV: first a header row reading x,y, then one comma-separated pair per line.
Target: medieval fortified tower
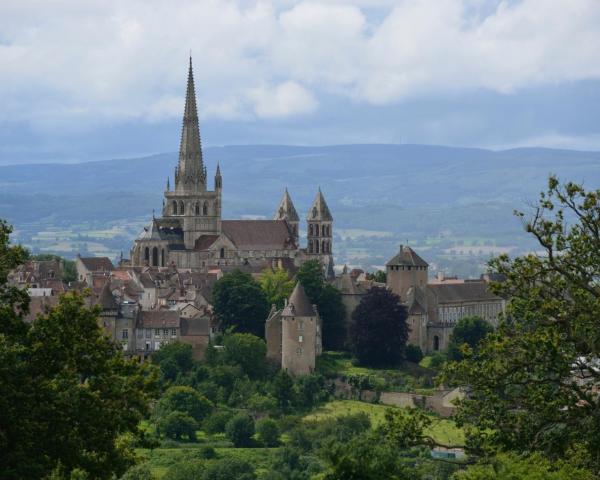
x,y
191,233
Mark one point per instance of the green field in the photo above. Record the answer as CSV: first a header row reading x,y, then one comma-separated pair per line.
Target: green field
x,y
442,430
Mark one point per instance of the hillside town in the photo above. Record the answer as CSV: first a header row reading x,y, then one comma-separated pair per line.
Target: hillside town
x,y
218,349
163,292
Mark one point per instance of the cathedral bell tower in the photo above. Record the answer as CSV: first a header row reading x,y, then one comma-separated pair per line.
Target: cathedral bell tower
x,y
286,211
320,233
198,209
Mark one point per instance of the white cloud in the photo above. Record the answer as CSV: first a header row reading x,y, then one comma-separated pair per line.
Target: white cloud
x,y
285,99
110,59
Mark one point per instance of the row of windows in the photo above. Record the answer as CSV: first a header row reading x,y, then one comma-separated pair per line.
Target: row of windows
x,y
178,208
406,267
454,314
314,230
314,246
158,332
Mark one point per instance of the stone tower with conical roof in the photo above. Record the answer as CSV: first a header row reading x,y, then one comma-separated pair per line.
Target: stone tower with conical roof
x,y
294,334
190,200
286,211
320,233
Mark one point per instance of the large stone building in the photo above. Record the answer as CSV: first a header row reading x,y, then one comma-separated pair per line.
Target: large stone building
x,y
434,307
293,334
191,233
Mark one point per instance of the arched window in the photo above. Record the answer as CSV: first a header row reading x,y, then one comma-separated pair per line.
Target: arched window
x,y
222,253
155,257
324,231
310,246
310,229
324,247
436,343
205,209
147,254
197,208
174,207
329,230
162,257
317,246
181,208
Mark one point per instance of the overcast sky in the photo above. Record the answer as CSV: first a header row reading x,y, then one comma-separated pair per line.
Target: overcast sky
x,y
97,79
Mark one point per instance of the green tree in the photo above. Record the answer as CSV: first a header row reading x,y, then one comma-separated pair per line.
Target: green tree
x,y
247,351
240,302
229,468
513,467
469,331
378,331
283,390
174,354
531,383
177,425
276,285
329,302
268,432
379,276
240,430
62,378
185,400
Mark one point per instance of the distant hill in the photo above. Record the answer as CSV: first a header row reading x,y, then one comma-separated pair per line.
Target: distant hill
x,y
391,192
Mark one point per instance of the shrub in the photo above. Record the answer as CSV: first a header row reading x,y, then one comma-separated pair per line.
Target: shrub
x,y
186,400
268,432
413,353
216,422
177,425
240,430
206,452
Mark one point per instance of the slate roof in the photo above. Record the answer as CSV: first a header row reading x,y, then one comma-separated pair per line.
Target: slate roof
x,y
476,291
258,234
163,229
299,304
159,318
204,242
407,257
97,264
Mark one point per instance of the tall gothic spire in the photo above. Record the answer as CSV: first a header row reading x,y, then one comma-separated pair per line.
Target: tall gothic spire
x,y
191,173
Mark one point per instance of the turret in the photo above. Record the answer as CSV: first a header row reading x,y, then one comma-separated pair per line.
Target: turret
x,y
218,178
286,211
320,232
406,270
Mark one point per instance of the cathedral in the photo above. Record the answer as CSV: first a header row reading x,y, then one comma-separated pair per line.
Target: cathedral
x,y
190,233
